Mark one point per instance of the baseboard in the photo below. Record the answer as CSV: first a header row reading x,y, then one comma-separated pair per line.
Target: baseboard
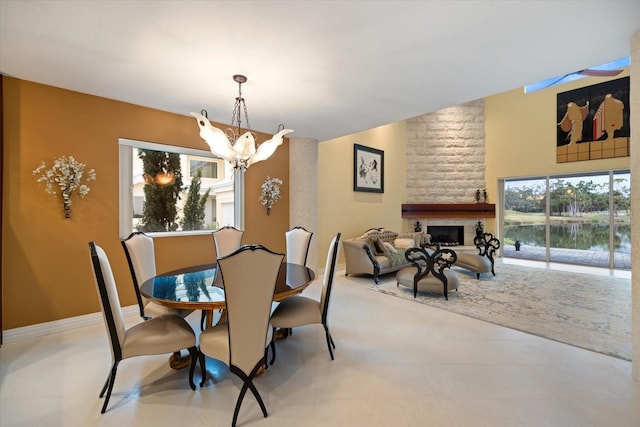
x,y
48,328
62,325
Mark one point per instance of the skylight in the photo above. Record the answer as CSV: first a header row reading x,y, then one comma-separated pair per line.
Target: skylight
x,y
619,63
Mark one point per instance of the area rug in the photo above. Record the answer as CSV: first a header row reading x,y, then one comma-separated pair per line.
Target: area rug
x,y
587,311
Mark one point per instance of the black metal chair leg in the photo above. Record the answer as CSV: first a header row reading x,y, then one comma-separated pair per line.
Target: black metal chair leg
x,y
193,353
273,350
247,385
112,380
203,368
106,384
329,340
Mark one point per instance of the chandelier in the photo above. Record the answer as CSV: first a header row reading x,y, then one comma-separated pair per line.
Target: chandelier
x,y
235,146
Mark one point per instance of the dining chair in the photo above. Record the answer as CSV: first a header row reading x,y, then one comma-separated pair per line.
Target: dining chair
x,y
140,253
298,240
249,275
168,333
226,239
301,310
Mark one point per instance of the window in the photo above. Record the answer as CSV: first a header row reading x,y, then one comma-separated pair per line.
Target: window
x,y
578,219
208,168
167,189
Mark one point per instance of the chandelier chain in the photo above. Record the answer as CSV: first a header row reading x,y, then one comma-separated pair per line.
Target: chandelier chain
x,y
236,117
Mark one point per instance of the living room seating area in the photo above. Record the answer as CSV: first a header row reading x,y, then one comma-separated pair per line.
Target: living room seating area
x,y
379,251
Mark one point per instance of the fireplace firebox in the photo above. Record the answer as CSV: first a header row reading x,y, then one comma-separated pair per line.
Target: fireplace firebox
x,y
447,235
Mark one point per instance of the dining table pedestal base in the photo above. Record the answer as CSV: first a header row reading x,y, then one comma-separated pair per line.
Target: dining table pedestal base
x,y
178,361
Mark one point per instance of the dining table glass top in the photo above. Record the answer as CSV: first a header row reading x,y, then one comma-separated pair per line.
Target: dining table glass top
x,y
193,287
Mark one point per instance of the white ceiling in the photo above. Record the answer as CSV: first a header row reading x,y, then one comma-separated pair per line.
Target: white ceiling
x,y
323,68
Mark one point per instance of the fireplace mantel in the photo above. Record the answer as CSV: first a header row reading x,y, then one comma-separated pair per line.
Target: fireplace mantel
x,y
449,210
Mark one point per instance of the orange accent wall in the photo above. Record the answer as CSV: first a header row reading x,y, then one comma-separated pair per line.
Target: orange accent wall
x,y
46,273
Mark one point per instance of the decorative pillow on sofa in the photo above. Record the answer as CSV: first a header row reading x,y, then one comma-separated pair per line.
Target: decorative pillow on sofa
x,y
378,246
390,248
404,243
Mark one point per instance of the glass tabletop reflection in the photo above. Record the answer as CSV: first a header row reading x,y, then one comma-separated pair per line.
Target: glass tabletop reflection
x,y
193,287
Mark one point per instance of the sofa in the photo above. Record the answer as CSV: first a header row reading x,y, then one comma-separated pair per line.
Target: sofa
x,y
379,251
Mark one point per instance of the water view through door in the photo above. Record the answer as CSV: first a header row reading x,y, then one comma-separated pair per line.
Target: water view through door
x,y
586,220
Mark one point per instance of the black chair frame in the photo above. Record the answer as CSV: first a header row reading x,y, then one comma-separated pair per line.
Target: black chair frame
x,y
434,263
113,335
136,285
487,246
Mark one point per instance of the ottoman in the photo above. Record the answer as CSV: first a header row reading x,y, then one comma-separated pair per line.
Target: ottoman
x,y
429,271
428,283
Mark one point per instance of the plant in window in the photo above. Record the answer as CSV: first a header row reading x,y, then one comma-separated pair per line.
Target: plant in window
x,y
65,177
270,192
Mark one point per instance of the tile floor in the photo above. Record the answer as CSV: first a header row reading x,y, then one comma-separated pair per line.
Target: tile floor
x,y
397,364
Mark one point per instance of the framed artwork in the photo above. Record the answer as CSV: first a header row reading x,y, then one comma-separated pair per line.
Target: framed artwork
x,y
368,169
593,122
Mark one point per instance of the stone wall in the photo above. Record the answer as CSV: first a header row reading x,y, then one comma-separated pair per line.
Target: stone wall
x,y
446,160
303,191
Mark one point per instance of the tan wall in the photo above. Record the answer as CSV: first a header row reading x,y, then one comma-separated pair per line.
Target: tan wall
x,y
46,272
340,209
521,136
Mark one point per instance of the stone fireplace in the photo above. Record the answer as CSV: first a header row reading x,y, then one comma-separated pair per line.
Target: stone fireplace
x,y
465,227
448,235
449,222
446,167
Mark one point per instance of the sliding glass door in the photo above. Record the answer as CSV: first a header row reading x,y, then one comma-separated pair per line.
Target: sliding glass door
x,y
621,218
579,220
525,219
585,221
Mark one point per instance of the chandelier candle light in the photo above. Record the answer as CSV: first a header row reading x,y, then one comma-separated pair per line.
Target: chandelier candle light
x,y
238,148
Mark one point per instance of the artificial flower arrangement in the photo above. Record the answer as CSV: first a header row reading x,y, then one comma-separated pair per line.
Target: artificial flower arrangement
x,y
65,177
270,192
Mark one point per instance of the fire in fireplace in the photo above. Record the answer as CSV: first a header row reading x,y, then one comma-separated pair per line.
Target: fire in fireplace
x,y
447,235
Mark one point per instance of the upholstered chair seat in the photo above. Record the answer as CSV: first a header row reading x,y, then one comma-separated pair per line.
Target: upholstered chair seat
x,y
300,310
429,283
473,262
150,337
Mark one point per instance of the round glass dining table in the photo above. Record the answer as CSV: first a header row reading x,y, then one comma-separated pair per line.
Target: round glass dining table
x,y
192,288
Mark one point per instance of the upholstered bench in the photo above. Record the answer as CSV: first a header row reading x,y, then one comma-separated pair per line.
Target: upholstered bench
x,y
482,262
430,271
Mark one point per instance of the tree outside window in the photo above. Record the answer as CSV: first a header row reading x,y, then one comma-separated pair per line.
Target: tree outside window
x,y
163,181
